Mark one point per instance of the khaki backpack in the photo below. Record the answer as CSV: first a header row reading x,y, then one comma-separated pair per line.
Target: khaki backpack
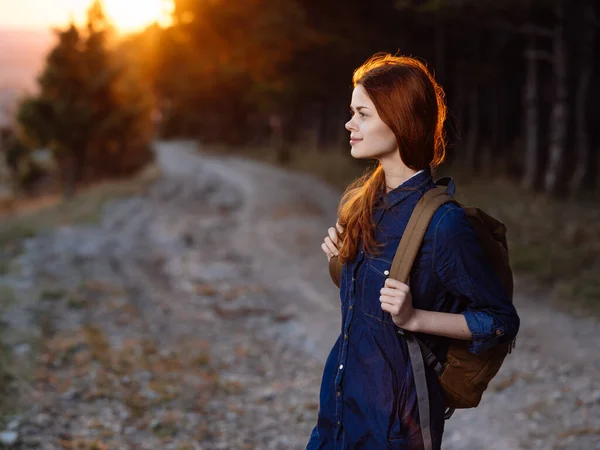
x,y
463,375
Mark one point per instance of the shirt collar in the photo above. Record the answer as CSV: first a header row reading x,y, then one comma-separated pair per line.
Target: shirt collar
x,y
415,183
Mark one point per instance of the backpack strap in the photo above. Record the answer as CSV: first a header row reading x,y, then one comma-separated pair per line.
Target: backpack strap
x,y
401,266
445,186
415,232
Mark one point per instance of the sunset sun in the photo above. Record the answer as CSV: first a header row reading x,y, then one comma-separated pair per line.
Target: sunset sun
x,y
133,15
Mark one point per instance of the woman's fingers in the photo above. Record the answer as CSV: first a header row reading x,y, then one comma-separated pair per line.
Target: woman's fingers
x,y
331,246
331,243
333,235
395,284
392,308
326,250
389,299
392,299
395,292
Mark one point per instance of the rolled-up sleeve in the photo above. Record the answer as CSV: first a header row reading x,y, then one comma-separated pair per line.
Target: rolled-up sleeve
x,y
463,268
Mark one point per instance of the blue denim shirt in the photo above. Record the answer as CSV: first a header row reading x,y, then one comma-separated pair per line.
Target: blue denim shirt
x,y
368,398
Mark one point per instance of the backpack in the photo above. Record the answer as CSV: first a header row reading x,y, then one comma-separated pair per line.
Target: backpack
x,y
463,376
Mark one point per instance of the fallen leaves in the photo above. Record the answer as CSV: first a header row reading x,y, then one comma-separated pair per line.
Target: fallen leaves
x,y
83,444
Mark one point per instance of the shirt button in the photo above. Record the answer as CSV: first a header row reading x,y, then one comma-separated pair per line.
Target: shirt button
x,y
339,393
498,333
341,366
345,336
386,272
339,423
353,279
350,306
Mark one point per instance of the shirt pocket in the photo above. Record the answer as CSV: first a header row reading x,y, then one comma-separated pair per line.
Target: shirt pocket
x,y
375,273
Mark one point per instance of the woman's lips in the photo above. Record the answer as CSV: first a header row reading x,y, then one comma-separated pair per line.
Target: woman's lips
x,y
354,141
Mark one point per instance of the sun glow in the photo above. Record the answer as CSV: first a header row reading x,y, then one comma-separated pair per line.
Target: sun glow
x,y
134,15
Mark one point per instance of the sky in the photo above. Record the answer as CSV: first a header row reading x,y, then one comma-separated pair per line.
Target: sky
x,y
127,15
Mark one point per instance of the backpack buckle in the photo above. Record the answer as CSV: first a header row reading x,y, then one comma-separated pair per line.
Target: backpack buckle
x,y
512,345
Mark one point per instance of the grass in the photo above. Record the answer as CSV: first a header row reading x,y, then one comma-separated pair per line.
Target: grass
x,y
554,243
7,375
85,207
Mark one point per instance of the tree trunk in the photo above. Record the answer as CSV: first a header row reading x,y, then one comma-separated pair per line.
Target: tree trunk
x,y
440,49
322,141
69,174
560,109
459,103
585,68
502,130
531,175
472,160
342,137
492,97
278,142
490,149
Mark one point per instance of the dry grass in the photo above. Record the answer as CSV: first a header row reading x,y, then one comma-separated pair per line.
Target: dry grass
x,y
554,243
6,376
579,432
86,206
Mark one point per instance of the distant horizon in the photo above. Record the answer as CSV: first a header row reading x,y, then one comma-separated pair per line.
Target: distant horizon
x,y
11,27
126,16
22,53
34,15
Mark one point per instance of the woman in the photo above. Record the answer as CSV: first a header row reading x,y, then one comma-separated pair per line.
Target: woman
x,y
368,398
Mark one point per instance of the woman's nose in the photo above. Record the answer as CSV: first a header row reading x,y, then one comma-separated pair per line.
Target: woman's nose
x,y
349,125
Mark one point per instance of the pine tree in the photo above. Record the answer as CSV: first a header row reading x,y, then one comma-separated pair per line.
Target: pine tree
x,y
58,117
89,111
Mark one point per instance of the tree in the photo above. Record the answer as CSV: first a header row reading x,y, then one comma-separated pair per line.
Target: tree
x,y
58,117
95,121
519,76
585,63
560,108
23,170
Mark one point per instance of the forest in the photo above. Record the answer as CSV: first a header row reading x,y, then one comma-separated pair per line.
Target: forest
x,y
518,76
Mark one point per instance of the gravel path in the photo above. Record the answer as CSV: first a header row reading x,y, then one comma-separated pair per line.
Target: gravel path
x,y
198,315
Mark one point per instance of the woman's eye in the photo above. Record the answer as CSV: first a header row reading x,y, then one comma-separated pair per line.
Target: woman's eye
x,y
362,114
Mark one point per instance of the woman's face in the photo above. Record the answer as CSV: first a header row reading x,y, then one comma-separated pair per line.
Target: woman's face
x,y
370,138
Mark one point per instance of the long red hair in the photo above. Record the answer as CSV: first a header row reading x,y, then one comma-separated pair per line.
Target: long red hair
x,y
412,104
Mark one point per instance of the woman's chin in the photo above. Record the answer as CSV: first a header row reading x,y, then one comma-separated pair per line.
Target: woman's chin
x,y
358,154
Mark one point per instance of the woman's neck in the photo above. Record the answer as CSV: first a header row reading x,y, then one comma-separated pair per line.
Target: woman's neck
x,y
396,176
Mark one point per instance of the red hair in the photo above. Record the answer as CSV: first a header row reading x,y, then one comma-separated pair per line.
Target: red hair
x,y
411,103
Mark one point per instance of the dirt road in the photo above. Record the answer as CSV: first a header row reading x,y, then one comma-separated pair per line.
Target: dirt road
x,y
198,315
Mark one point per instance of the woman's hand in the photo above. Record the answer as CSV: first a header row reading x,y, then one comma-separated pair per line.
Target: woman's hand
x,y
330,245
396,299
